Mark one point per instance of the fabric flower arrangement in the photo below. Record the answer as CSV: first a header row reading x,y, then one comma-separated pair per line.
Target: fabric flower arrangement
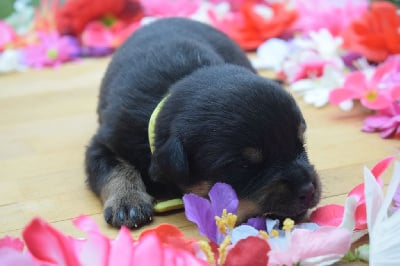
x,y
323,241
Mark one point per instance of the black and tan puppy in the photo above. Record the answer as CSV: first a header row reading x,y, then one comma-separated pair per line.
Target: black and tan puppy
x,y
218,122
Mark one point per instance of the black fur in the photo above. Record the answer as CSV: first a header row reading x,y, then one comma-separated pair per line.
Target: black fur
x,y
221,122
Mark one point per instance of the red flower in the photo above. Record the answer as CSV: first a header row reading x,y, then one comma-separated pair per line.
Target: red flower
x,y
75,14
249,251
256,22
376,34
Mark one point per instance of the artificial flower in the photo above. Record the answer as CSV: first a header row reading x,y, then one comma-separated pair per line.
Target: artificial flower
x,y
98,35
74,15
51,50
383,225
250,251
322,246
331,15
255,22
316,90
11,60
386,121
334,214
375,34
163,245
371,90
271,54
166,8
7,35
203,212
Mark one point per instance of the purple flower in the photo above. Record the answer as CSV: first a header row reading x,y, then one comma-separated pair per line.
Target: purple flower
x,y
202,211
387,122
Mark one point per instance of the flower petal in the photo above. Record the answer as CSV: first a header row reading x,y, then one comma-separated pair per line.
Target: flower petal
x,y
198,210
331,214
242,232
222,197
250,251
49,245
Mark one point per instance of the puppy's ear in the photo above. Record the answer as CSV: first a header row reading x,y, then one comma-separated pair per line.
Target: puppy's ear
x,y
169,162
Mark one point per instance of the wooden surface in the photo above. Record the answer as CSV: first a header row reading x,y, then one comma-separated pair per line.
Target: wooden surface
x,y
48,116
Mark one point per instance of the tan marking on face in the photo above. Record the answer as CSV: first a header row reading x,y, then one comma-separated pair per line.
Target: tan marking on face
x,y
254,155
200,189
246,210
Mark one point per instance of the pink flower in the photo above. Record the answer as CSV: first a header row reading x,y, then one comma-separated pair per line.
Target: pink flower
x,y
98,35
50,50
387,122
332,15
165,8
374,93
163,245
325,244
332,214
7,35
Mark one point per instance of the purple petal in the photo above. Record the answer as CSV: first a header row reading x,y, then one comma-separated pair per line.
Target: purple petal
x,y
198,210
387,133
258,223
222,197
375,121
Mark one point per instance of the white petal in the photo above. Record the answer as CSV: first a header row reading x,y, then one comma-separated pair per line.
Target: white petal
x,y
346,105
271,54
303,85
373,197
242,232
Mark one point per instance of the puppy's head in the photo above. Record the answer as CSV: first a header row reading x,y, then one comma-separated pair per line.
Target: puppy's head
x,y
226,124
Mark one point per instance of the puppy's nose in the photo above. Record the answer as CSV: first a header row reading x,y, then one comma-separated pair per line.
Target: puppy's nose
x,y
306,193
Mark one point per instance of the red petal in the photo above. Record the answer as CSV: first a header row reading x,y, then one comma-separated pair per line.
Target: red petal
x,y
49,245
250,251
381,166
170,235
361,217
329,215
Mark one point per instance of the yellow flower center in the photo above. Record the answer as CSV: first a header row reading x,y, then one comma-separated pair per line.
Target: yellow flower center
x,y
226,221
206,248
288,224
371,95
223,249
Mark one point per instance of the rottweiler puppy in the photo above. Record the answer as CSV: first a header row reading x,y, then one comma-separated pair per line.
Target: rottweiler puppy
x,y
215,120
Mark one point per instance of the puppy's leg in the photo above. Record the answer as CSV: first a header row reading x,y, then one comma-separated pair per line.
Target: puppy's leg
x,y
120,187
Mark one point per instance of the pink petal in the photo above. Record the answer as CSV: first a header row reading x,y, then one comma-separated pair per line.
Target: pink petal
x,y
86,224
361,217
381,166
387,133
121,249
376,121
325,240
356,81
148,251
381,102
337,96
12,257
11,242
381,71
331,214
48,245
95,250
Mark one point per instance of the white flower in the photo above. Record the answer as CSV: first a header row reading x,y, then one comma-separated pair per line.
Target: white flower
x,y
316,90
11,60
271,54
383,226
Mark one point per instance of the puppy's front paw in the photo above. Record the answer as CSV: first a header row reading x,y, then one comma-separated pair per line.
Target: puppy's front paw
x,y
131,210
